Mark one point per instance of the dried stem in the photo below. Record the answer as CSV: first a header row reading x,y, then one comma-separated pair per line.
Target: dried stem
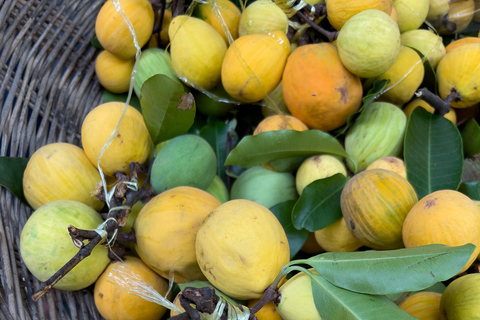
x,y
441,106
331,35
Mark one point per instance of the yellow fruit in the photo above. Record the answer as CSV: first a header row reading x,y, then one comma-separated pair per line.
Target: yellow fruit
x,y
411,13
436,218
459,42
408,109
114,303
437,9
337,237
253,65
296,298
374,205
460,70
224,14
241,248
166,228
458,18
423,305
461,299
405,77
197,52
267,312
318,167
131,143
161,40
318,89
340,11
114,74
389,163
311,246
262,16
428,43
114,34
61,171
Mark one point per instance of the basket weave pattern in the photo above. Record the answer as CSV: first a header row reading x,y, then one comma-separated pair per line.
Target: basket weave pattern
x,y
47,86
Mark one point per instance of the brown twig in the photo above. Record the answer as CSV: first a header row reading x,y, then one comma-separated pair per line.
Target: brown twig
x,y
331,35
441,106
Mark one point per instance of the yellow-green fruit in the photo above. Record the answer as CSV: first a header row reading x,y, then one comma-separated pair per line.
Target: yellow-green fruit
x,y
46,245
461,299
437,9
113,32
220,14
411,13
254,64
317,167
405,77
262,16
428,43
241,248
393,164
130,144
113,73
267,312
274,104
375,204
336,237
369,43
296,298
218,189
61,171
459,16
340,11
460,70
166,228
197,51
408,109
423,305
113,300
436,218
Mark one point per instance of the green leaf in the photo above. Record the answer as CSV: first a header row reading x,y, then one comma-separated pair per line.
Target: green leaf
x,y
96,44
471,138
319,204
391,271
471,189
122,97
11,175
168,110
296,238
336,303
272,145
432,152
216,133
372,94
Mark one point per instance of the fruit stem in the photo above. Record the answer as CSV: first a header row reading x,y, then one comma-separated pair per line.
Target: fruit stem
x,y
270,293
441,106
331,35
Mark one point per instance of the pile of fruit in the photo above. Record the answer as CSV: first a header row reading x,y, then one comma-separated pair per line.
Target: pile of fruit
x,y
269,160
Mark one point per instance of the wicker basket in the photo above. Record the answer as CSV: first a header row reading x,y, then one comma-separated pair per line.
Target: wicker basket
x,y
47,86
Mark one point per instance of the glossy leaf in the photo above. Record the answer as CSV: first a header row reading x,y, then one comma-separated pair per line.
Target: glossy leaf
x,y
11,175
319,204
391,271
168,110
121,97
336,303
216,133
471,189
271,145
372,94
296,238
471,138
96,44
433,153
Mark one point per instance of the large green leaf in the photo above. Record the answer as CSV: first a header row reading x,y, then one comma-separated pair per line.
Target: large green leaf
x,y
272,145
391,271
336,303
11,175
168,110
296,238
121,97
216,133
471,138
319,204
433,153
471,189
372,94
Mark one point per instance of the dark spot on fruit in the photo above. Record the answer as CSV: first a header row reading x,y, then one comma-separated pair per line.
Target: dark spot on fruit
x,y
119,135
343,93
282,242
242,259
314,95
430,203
209,271
352,224
100,295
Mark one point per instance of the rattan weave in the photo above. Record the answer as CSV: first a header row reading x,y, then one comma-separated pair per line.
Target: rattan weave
x,y
47,86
